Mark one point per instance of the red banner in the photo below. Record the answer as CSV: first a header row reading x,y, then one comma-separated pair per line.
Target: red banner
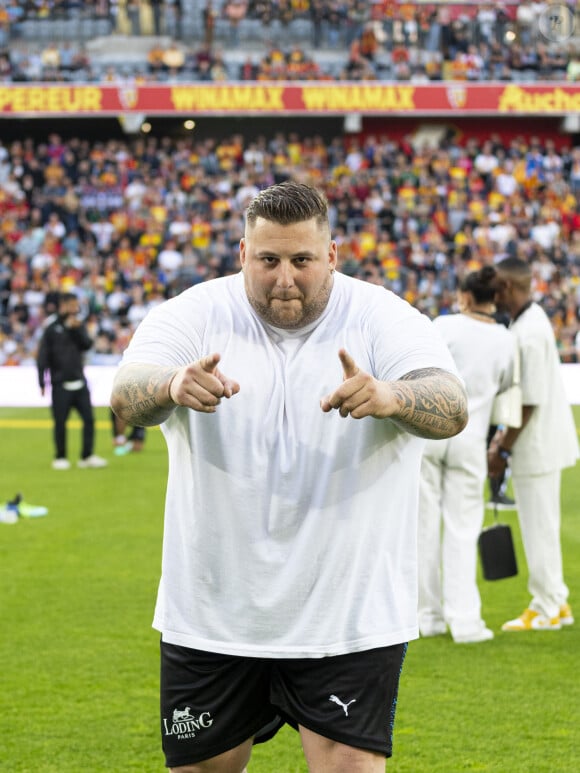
x,y
313,98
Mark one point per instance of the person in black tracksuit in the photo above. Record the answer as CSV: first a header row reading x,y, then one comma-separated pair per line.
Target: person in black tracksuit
x,y
60,353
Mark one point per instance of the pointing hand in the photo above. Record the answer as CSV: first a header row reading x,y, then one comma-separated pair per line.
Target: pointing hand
x,y
201,385
349,366
360,394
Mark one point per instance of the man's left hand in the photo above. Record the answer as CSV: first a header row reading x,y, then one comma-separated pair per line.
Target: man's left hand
x,y
360,394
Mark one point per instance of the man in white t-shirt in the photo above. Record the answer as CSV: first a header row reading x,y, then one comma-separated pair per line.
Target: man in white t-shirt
x,y
293,400
486,161
540,449
505,182
170,260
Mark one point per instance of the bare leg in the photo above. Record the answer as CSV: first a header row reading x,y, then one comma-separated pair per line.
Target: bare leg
x,y
326,756
232,761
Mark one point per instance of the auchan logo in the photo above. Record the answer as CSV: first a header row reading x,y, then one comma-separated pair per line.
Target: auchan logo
x,y
515,99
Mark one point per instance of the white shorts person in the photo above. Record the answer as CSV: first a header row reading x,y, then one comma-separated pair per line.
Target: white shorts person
x,y
211,703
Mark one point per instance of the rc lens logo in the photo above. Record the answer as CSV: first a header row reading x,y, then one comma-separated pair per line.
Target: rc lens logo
x,y
457,96
128,97
184,724
556,23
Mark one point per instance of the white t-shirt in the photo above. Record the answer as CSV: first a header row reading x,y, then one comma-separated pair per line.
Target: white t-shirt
x,y
506,184
170,261
484,354
289,532
548,442
485,163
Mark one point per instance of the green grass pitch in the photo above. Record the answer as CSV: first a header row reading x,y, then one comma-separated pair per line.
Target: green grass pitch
x,y
79,660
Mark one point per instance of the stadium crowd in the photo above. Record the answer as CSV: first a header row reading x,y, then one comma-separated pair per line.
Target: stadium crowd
x,y
383,40
128,223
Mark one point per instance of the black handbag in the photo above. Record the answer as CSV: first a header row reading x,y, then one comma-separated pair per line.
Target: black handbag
x,y
496,551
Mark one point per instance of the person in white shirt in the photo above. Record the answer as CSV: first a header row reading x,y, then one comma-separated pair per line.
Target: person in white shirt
x,y
486,18
54,226
134,193
503,232
505,182
540,449
546,232
103,230
526,20
486,162
454,471
170,260
246,192
293,400
180,228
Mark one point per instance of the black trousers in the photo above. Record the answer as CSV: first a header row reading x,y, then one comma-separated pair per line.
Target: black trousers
x,y
62,402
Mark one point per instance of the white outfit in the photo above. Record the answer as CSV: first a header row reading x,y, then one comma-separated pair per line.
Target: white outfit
x,y
170,261
545,446
453,474
289,532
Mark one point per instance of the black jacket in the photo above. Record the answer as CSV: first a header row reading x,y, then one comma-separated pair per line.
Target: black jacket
x,y
61,352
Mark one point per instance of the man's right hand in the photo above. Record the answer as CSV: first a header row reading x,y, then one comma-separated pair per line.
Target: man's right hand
x,y
201,385
145,395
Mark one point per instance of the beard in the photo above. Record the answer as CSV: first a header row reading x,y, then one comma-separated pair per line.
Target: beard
x,y
292,312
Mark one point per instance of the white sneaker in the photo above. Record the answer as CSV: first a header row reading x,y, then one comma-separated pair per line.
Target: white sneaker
x,y
61,464
483,634
530,620
566,616
433,629
93,462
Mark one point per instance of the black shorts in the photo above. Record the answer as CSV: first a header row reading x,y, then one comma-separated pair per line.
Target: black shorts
x,y
211,703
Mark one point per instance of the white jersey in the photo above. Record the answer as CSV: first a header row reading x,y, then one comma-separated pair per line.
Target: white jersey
x,y
484,354
289,532
548,442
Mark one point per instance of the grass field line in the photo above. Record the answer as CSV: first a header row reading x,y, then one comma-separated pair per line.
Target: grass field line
x,y
78,589
45,424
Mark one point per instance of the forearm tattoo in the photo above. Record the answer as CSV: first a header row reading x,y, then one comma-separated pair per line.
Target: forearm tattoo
x,y
433,403
140,395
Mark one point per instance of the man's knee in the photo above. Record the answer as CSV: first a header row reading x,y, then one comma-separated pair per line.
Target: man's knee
x,y
324,755
232,761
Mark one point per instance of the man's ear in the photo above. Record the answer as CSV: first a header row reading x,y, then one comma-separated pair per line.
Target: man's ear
x,y
332,255
242,252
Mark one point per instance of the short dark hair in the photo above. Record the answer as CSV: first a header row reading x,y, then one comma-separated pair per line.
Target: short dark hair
x,y
517,269
288,202
481,284
66,297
